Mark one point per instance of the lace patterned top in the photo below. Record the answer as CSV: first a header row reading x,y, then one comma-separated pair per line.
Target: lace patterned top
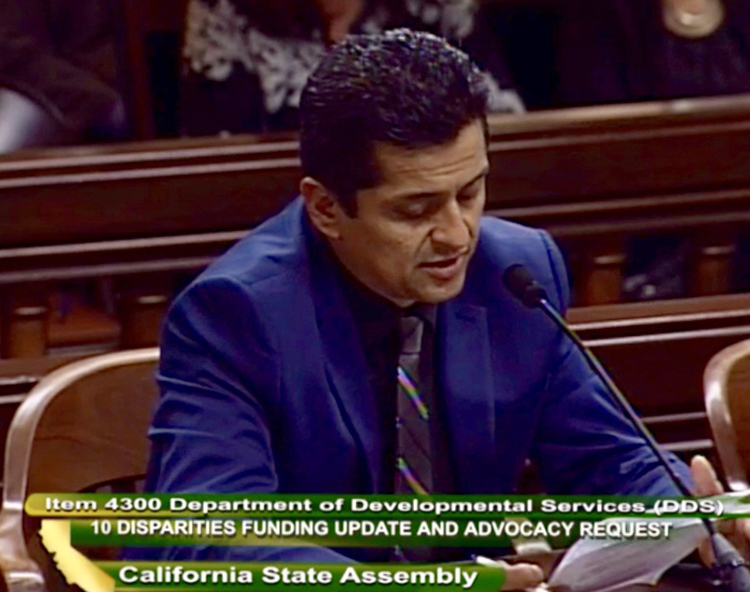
x,y
245,73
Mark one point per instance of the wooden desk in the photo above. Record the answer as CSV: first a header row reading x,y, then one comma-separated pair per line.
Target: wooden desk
x,y
682,578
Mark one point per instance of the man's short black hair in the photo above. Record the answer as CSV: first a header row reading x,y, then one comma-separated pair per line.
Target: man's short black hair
x,y
405,88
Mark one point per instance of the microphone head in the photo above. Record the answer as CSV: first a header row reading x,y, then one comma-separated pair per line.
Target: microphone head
x,y
524,287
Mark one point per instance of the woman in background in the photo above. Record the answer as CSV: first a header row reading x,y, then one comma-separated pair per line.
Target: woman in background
x,y
246,61
639,50
636,50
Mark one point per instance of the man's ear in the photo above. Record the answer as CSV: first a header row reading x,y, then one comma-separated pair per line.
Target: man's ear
x,y
322,206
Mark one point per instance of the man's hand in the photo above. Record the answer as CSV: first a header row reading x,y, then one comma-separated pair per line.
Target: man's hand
x,y
737,531
521,575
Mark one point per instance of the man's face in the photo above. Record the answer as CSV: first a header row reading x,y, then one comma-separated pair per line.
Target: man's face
x,y
413,234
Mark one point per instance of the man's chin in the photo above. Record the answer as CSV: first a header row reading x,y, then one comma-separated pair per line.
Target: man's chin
x,y
438,294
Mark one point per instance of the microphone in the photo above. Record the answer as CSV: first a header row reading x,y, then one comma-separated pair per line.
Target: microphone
x,y
524,287
731,567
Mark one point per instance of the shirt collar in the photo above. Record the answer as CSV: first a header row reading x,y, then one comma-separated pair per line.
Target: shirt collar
x,y
426,312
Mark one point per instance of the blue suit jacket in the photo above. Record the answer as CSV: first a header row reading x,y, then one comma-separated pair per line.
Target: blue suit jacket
x,y
264,385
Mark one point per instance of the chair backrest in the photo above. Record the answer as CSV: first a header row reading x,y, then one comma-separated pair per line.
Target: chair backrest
x,y
726,383
82,425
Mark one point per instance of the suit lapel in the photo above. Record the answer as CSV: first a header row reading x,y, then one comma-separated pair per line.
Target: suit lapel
x,y
464,375
465,370
345,364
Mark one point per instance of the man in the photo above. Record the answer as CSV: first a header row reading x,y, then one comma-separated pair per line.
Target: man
x,y
280,362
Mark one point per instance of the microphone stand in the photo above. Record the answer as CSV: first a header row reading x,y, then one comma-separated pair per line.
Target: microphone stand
x,y
730,567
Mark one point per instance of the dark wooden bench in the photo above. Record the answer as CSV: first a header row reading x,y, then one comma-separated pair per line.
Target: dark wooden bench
x,y
657,351
144,214
597,177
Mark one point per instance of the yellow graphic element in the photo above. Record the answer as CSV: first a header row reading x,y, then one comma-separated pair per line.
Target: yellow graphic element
x,y
76,567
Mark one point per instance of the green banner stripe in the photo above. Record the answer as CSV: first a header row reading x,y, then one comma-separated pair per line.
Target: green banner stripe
x,y
361,506
331,533
268,577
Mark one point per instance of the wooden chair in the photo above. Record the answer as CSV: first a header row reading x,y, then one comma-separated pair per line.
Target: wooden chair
x,y
726,384
82,426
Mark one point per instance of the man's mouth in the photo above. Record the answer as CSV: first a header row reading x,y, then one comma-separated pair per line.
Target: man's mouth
x,y
442,263
444,269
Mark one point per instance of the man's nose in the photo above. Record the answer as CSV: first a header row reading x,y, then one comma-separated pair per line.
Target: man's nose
x,y
452,231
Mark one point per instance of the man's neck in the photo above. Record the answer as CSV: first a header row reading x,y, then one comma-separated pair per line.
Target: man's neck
x,y
341,261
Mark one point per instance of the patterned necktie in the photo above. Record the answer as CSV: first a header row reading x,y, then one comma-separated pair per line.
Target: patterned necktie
x,y
413,451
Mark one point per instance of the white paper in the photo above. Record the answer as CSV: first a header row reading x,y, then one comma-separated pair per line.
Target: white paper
x,y
597,565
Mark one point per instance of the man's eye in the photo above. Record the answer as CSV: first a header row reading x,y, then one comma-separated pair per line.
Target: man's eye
x,y
412,211
471,192
467,197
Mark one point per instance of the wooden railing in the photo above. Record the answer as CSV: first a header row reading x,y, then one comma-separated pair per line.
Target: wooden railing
x,y
142,214
657,351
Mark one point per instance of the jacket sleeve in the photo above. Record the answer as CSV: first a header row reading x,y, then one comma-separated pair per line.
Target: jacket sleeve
x,y
585,445
212,430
